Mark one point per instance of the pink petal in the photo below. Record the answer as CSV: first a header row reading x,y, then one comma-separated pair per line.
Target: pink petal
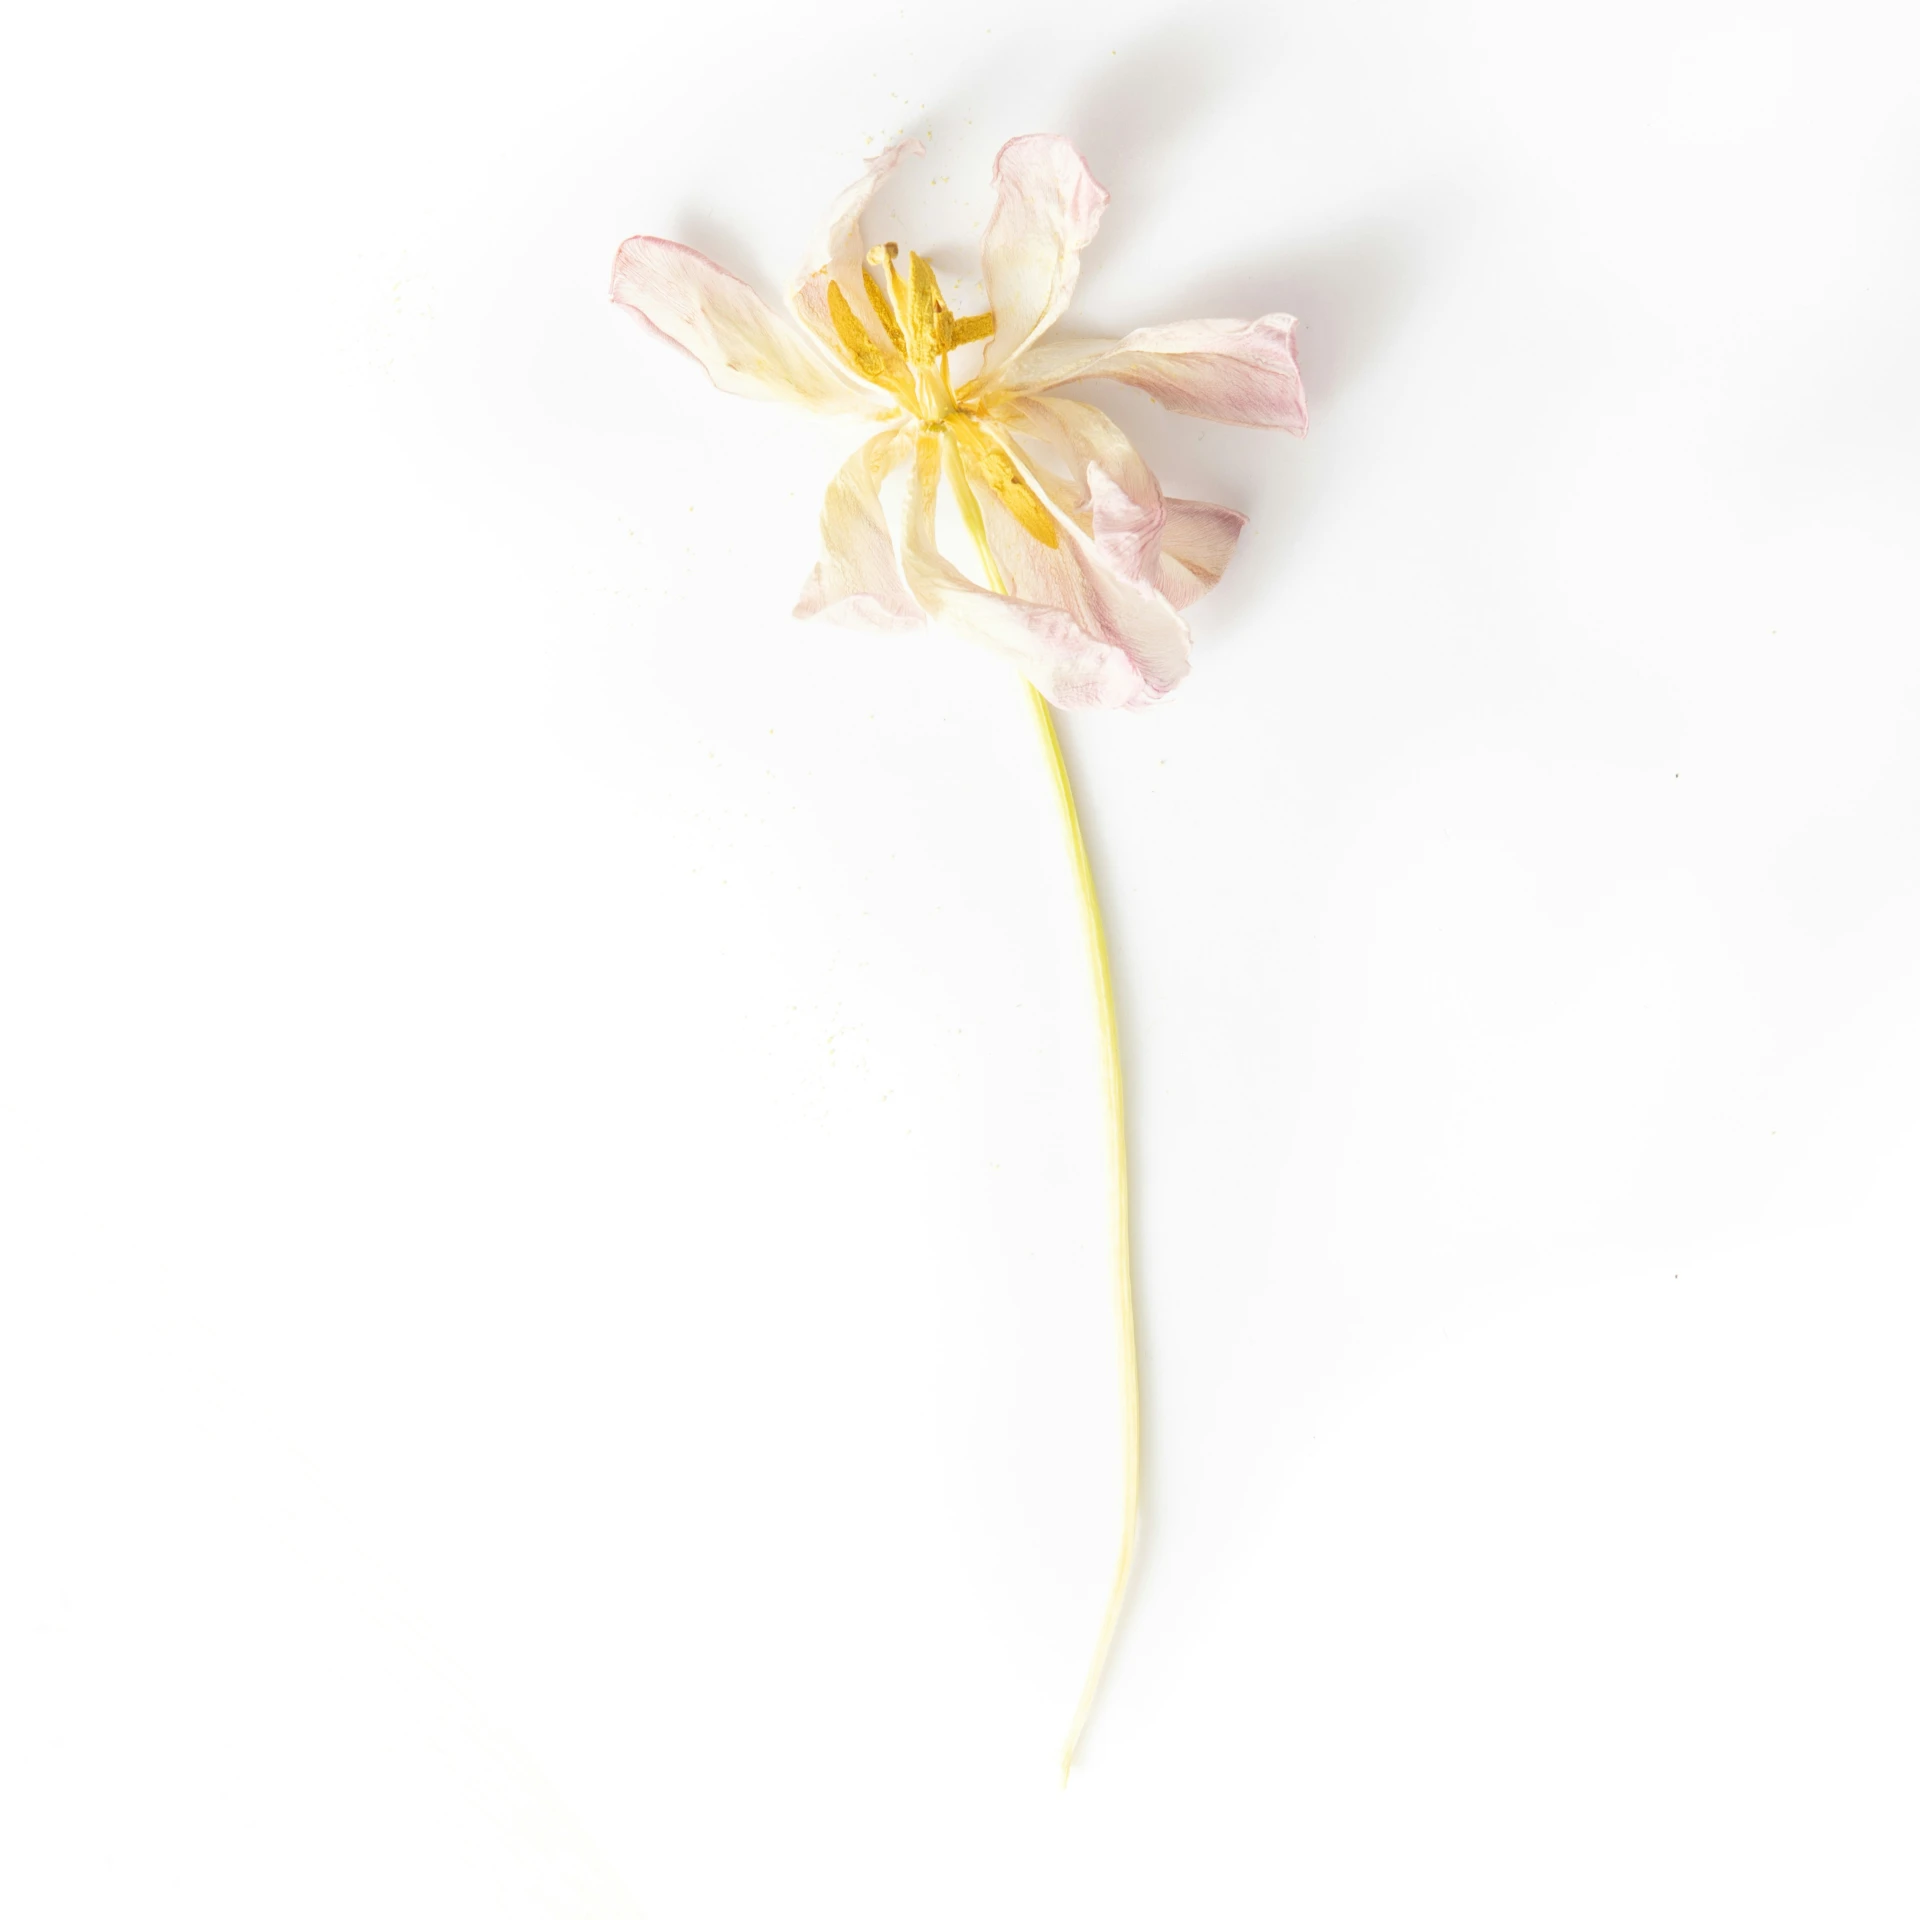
x,y
1242,371
1107,480
1178,547
1075,577
1067,664
1049,209
1195,545
744,345
1085,637
857,581
841,252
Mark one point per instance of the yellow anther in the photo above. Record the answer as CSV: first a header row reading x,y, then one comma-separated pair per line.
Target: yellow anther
x,y
929,324
976,326
883,256
883,311
855,341
991,462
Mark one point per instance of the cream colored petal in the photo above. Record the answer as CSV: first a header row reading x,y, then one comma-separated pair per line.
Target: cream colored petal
x,y
857,581
840,255
1241,371
744,345
1048,209
1075,576
1179,547
1069,665
1195,545
1107,480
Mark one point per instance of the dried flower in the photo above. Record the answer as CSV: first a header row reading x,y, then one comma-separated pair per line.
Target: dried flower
x,y
1087,564
1084,564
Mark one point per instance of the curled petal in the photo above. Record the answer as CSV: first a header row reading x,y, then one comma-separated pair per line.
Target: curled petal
x,y
744,345
1195,545
840,257
1085,637
1240,371
1178,547
1068,664
1106,481
1048,210
1074,575
857,580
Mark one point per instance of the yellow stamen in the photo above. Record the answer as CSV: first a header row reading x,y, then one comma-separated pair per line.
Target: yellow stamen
x,y
929,324
883,312
920,330
884,256
994,465
858,344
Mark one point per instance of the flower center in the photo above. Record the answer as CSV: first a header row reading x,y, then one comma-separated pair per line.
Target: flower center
x,y
919,328
911,364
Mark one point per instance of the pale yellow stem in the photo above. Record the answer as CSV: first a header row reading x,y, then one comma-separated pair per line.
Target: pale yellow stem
x,y
1096,936
1122,1254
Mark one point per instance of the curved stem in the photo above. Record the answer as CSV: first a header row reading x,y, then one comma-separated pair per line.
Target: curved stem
x,y
1096,935
1122,1254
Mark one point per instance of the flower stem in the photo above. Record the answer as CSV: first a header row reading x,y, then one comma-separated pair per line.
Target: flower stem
x,y
1122,1255
1096,935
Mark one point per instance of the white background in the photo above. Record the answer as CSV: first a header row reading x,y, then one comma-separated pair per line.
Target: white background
x,y
556,1357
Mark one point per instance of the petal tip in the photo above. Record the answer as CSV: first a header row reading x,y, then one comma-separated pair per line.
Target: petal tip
x,y
1286,326
1028,149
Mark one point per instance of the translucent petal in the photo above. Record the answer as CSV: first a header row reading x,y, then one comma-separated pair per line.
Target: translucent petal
x,y
840,257
1241,371
1048,209
1195,545
1107,480
744,345
1081,635
857,580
